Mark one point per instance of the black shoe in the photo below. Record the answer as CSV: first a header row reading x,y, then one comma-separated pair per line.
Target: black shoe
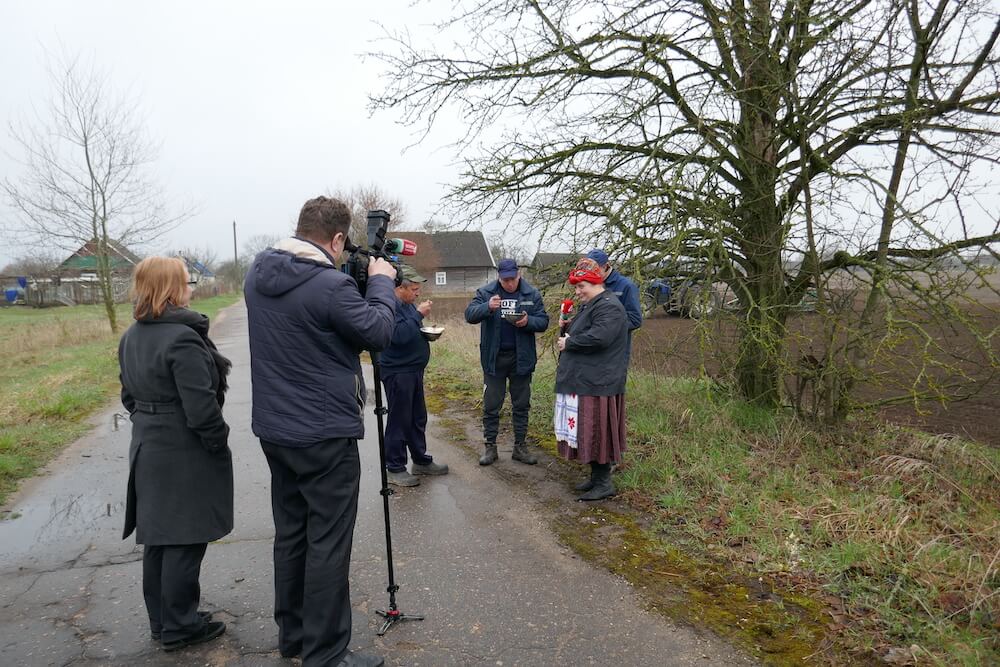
x,y
360,660
603,486
585,485
205,615
429,469
208,632
522,454
290,652
489,455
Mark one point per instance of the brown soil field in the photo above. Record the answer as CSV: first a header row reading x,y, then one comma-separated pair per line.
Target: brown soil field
x,y
672,345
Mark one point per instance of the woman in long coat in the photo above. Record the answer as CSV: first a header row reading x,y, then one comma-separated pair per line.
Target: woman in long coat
x,y
590,381
180,487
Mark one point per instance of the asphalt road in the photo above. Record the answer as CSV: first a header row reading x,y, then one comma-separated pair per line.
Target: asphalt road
x,y
472,553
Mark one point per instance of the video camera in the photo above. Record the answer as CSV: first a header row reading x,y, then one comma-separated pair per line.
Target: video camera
x,y
378,247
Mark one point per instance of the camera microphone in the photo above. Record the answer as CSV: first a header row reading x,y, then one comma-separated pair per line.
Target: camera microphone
x,y
400,247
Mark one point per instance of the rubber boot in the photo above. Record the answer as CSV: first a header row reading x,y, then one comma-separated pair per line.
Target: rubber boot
x,y
522,454
587,484
603,488
489,454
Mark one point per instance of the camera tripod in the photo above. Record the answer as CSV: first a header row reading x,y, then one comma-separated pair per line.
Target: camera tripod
x,y
392,614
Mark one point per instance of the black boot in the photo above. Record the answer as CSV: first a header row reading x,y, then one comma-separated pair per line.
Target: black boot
x,y
489,454
587,484
603,488
522,454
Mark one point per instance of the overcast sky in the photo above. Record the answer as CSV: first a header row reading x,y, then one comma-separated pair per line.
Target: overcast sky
x,y
258,106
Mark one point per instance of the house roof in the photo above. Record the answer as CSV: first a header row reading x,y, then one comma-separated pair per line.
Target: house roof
x,y
448,250
85,258
544,260
195,265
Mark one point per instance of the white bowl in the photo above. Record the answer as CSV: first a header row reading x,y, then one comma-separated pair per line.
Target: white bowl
x,y
432,332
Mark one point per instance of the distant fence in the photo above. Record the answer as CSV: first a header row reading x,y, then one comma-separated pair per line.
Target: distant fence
x,y
72,291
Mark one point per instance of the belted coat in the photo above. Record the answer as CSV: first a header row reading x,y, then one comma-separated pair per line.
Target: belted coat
x,y
180,487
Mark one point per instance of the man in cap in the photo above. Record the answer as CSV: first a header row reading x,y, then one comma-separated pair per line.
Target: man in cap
x,y
623,288
510,312
402,367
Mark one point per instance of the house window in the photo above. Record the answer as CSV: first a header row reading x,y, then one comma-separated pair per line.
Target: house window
x,y
440,278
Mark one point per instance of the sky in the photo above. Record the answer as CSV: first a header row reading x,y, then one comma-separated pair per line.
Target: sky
x,y
256,106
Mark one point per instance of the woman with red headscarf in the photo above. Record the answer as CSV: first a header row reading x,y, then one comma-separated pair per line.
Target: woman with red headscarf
x,y
590,381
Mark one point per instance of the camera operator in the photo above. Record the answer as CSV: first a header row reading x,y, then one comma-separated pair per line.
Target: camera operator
x,y
308,324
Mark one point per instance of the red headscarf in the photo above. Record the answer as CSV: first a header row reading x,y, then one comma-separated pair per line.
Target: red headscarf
x,y
586,270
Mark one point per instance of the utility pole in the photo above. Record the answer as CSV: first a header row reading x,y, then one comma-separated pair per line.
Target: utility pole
x,y
236,257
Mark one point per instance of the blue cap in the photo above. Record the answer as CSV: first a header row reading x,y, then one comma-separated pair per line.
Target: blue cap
x,y
598,256
507,268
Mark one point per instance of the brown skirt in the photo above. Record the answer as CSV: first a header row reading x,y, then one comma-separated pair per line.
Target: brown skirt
x,y
601,431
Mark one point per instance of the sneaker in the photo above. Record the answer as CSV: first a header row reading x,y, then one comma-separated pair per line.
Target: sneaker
x,y
429,469
208,632
401,478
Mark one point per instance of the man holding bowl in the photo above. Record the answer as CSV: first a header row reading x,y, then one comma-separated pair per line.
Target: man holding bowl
x,y
402,367
510,312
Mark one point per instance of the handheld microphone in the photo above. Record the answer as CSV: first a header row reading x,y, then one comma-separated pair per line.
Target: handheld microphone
x,y
400,247
564,311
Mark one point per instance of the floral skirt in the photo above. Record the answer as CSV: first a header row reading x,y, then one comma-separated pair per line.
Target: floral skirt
x,y
590,428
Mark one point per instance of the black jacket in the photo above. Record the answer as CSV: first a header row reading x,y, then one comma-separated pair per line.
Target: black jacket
x,y
308,325
594,362
409,350
180,487
530,300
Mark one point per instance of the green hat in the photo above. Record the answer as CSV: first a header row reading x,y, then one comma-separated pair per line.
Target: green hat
x,y
407,273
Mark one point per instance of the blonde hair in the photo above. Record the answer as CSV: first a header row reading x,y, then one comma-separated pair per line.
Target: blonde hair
x,y
156,282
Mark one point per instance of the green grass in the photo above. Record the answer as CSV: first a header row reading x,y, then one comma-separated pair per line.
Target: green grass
x,y
900,528
60,368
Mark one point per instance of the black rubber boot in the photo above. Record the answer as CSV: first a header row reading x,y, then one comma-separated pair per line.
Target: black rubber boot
x,y
587,484
603,488
522,454
489,455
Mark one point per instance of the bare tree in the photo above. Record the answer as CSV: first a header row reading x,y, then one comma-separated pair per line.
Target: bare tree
x,y
206,256
502,245
85,162
740,134
363,198
255,244
37,262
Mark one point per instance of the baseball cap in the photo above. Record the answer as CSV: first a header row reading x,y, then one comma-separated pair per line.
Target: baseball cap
x,y
409,274
507,268
598,256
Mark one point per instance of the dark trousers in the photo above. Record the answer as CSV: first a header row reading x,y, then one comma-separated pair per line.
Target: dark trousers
x,y
495,387
314,499
407,420
170,587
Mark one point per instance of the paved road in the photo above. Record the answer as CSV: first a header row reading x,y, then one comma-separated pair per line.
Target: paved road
x,y
472,553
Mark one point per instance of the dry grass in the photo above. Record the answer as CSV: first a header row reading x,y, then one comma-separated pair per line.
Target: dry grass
x,y
901,528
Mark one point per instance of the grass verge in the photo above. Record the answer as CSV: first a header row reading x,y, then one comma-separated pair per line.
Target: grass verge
x,y
865,543
61,364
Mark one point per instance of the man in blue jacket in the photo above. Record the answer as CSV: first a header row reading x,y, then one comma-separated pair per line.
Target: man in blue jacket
x,y
511,312
624,289
402,369
308,324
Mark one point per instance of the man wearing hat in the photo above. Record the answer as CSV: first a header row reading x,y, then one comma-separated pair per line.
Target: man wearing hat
x,y
623,288
510,312
402,367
